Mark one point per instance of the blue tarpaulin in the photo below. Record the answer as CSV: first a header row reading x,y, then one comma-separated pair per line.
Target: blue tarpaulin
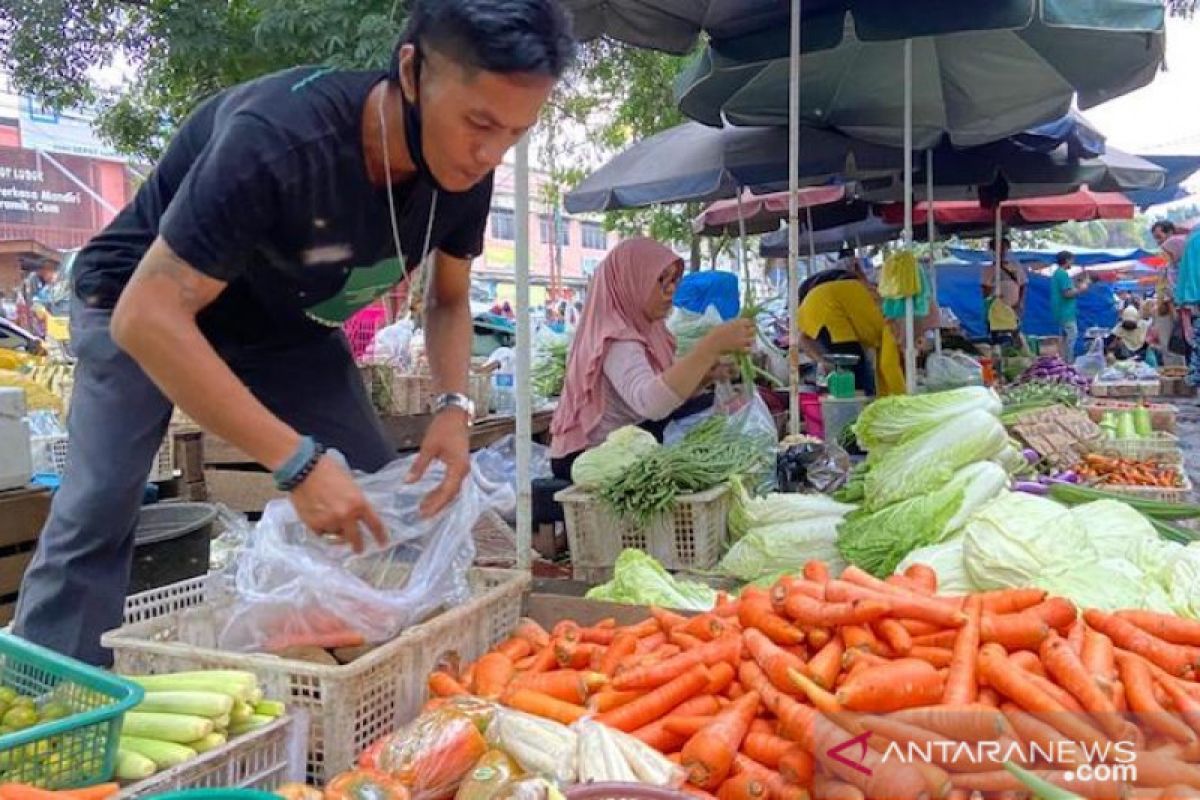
x,y
699,290
1084,257
959,290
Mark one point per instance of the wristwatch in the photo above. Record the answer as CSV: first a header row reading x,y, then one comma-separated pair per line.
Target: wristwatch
x,y
455,400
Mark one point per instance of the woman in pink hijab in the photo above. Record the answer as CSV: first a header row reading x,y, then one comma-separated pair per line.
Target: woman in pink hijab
x,y
622,369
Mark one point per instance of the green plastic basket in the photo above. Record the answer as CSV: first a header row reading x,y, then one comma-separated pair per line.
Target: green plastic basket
x,y
78,749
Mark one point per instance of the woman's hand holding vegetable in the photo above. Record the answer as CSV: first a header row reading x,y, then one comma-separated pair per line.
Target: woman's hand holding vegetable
x,y
735,336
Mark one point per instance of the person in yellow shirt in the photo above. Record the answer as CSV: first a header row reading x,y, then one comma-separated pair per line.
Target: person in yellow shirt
x,y
845,317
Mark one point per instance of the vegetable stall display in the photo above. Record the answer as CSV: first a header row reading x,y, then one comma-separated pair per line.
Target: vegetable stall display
x,y
757,698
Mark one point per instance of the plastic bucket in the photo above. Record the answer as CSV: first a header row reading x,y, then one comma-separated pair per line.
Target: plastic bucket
x,y
171,544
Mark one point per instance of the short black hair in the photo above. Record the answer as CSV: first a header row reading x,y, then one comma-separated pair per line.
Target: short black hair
x,y
1005,243
1164,225
846,252
502,36
1063,258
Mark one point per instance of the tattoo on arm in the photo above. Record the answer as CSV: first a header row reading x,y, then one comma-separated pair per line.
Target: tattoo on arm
x,y
195,289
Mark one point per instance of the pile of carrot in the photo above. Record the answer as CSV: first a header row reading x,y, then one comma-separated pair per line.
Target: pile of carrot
x,y
751,697
1128,472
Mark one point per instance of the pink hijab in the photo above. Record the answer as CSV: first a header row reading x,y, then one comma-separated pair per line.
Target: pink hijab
x,y
613,313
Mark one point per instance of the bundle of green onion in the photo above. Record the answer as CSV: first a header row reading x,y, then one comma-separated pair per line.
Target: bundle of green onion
x,y
550,369
710,454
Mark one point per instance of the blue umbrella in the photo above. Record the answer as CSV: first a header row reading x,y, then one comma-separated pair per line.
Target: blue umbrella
x,y
1179,169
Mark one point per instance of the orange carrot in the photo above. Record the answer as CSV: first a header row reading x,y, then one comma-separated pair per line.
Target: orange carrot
x,y
860,637
1028,661
647,627
720,675
796,766
742,787
1139,689
822,700
705,627
492,673
902,604
515,648
817,637
1068,671
684,640
708,756
895,635
651,642
533,633
1057,612
943,638
824,667
916,627
609,699
598,634
924,576
1076,634
1023,631
568,685
962,683
1058,693
567,629
656,734
687,725
755,611
939,657
1167,627
1176,659
727,648
971,722
774,660
623,644
1098,656
658,702
816,571
766,748
1011,601
543,705
1019,686
441,684
575,654
667,620
808,611
1186,706
777,787
98,791
905,683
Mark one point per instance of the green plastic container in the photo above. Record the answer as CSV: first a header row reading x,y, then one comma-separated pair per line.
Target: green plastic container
x,y
79,749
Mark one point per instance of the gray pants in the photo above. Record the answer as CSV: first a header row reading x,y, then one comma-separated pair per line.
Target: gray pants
x,y
75,587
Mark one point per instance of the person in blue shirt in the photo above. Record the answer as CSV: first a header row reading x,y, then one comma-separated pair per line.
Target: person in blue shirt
x,y
1064,292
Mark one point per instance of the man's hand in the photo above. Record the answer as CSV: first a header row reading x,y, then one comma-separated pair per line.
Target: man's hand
x,y
330,502
446,440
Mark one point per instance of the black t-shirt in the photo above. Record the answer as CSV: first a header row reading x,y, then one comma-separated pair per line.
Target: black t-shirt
x,y
265,187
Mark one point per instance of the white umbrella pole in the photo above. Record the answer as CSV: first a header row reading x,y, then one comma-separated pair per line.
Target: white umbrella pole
x,y
931,234
910,346
742,265
812,246
997,240
524,431
793,228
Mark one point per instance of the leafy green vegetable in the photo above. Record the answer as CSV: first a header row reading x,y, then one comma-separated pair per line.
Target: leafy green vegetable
x,y
928,460
889,420
747,513
640,580
878,540
619,451
550,368
1018,538
946,559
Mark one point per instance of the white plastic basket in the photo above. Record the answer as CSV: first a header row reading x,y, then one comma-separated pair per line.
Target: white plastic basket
x,y
56,449
690,536
261,759
350,706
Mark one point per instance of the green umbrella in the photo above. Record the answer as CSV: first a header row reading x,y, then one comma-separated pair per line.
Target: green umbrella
x,y
978,74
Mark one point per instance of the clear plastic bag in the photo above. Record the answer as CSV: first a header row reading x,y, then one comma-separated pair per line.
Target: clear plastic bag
x,y
391,345
432,755
951,369
1093,362
297,589
235,532
688,327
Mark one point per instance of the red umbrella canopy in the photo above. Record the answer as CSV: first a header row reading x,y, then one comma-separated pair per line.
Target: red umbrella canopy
x,y
762,212
1078,206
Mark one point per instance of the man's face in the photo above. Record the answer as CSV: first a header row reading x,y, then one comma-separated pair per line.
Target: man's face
x,y
1159,235
470,118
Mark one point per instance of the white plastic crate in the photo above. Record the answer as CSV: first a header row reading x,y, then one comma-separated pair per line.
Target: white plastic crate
x,y
56,449
690,536
1159,446
1162,494
262,759
350,706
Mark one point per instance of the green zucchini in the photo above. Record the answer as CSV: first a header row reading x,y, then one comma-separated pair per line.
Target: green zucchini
x,y
1073,494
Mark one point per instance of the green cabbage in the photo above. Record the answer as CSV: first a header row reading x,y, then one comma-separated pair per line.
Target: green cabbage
x,y
748,512
1018,538
947,561
640,580
613,456
877,540
784,547
890,420
1108,584
1114,529
929,460
1184,588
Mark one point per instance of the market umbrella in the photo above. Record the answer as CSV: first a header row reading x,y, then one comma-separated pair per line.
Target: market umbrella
x,y
761,213
1179,169
696,163
984,72
1078,206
